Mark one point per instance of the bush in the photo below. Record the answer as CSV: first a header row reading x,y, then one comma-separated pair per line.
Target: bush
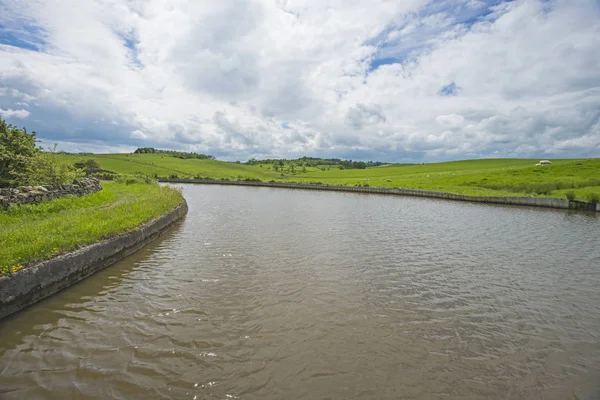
x,y
47,169
570,195
17,154
90,166
593,198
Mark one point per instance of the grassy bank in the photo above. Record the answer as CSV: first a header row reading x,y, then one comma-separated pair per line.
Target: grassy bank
x,y
489,177
37,232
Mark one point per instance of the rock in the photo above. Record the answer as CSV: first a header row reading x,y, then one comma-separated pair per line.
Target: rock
x,y
40,189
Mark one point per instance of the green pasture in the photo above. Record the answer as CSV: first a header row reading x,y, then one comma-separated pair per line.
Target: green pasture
x,y
486,177
162,166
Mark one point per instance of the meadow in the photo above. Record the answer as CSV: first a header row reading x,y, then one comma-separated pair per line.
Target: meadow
x,y
37,232
486,177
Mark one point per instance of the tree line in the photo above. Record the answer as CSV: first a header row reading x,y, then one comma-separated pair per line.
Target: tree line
x,y
317,162
173,153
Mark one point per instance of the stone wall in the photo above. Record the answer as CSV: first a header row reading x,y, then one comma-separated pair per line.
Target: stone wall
x,y
517,201
38,194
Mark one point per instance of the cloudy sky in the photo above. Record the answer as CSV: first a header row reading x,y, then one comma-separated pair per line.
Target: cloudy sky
x,y
392,80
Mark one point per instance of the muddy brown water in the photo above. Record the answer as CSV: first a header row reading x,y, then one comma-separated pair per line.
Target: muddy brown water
x,y
286,294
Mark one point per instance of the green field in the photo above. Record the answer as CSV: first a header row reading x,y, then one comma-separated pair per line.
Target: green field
x,y
41,231
163,166
487,177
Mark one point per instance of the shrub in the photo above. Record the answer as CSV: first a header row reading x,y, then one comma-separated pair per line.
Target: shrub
x,y
17,154
593,197
90,166
570,195
47,169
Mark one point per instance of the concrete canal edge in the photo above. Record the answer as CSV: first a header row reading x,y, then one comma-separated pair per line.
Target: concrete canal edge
x,y
516,201
43,279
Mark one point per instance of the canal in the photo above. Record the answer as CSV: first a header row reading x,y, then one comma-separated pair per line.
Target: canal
x,y
268,293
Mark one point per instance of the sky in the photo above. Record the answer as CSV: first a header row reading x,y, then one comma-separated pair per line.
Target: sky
x,y
386,80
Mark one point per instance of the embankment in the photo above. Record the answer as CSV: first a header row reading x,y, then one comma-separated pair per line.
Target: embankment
x,y
517,201
41,280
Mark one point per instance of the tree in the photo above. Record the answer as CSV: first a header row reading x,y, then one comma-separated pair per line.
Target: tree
x,y
17,154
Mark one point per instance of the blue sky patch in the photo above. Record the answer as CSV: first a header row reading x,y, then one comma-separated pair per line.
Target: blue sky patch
x,y
424,27
25,37
131,43
377,62
449,90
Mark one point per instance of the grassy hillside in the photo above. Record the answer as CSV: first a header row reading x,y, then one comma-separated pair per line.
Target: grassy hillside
x,y
163,166
489,177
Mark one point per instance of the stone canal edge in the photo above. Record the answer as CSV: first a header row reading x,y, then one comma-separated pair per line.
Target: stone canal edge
x,y
45,278
512,201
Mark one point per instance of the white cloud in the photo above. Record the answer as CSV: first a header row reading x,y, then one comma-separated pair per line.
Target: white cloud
x,y
137,134
450,120
239,78
10,113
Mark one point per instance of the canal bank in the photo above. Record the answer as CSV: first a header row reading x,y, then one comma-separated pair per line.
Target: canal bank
x,y
45,278
516,201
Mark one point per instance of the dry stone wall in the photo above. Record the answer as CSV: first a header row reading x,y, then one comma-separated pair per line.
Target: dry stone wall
x,y
38,194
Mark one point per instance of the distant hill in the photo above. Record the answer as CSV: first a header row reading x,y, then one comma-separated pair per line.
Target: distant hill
x,y
486,177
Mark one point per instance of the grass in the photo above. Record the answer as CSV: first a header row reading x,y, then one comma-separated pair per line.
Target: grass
x,y
37,232
487,177
165,166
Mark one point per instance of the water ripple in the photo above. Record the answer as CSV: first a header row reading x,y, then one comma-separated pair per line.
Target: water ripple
x,y
269,294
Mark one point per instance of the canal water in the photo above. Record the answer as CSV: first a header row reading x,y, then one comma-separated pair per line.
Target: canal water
x,y
268,293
